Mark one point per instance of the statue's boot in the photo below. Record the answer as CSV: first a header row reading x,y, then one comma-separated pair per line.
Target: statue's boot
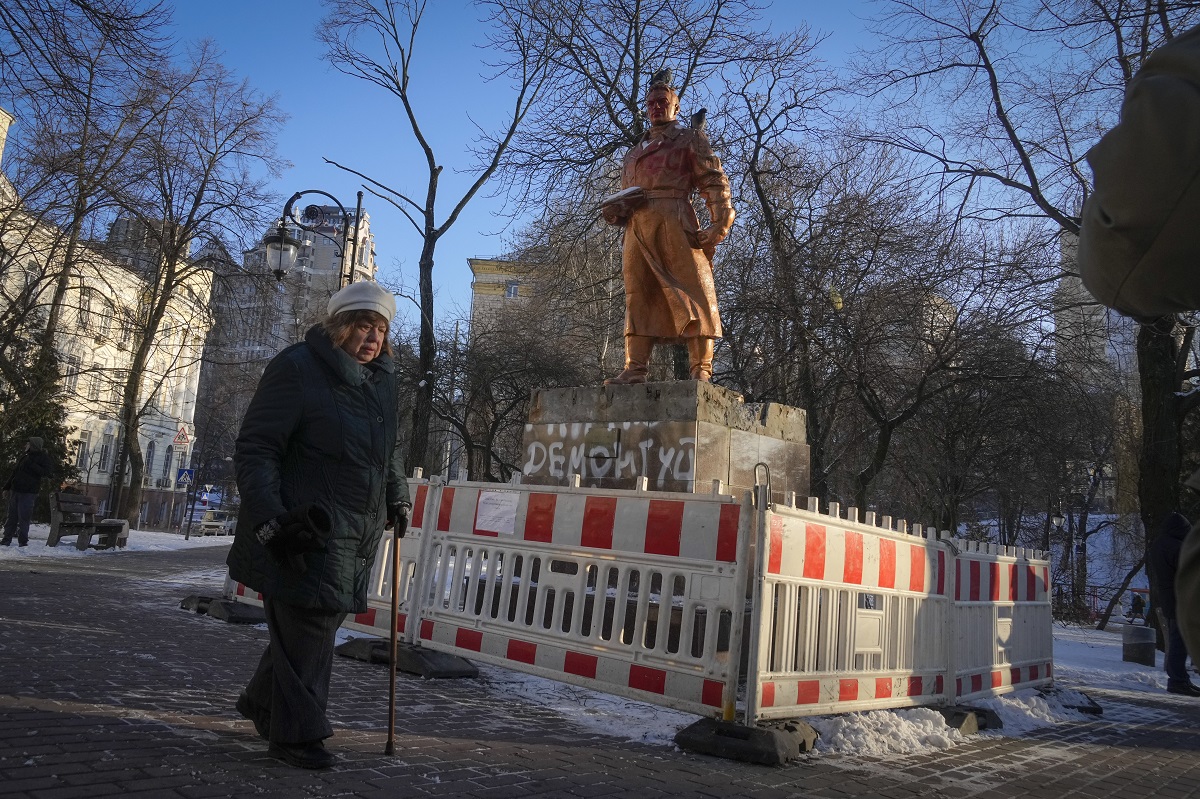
x,y
637,361
700,353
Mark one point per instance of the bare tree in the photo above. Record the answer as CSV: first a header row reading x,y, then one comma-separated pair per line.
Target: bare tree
x,y
376,40
45,42
1004,97
204,165
490,381
604,52
70,73
570,266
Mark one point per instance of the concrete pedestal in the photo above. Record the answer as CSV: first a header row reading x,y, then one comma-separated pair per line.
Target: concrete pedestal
x,y
680,435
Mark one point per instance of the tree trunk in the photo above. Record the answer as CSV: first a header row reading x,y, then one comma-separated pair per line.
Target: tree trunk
x,y
54,318
1160,462
427,352
1116,597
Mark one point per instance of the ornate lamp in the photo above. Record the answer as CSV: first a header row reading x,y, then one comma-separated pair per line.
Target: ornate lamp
x,y
314,217
282,249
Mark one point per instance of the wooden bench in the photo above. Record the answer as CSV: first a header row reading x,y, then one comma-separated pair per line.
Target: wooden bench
x,y
75,514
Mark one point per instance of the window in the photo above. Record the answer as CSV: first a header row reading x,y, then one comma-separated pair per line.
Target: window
x,y
106,445
85,308
168,457
125,325
150,458
93,389
82,449
510,290
102,318
71,373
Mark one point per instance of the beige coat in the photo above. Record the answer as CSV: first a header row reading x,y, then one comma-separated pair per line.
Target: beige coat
x,y
1139,240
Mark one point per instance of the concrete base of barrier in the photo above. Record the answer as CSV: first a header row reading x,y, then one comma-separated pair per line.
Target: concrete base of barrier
x,y
767,746
197,603
236,612
409,659
970,720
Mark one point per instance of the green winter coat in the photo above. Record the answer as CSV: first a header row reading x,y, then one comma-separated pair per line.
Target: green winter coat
x,y
318,431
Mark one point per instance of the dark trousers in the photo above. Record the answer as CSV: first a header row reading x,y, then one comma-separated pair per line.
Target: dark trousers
x,y
290,688
20,511
1175,661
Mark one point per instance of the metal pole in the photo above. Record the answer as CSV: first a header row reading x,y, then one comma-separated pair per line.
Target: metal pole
x,y
390,747
171,512
349,276
189,508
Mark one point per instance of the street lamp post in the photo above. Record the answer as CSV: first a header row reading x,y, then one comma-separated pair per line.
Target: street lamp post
x,y
1057,520
284,248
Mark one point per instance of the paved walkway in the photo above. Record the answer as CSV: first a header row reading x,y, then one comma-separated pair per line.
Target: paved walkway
x,y
107,688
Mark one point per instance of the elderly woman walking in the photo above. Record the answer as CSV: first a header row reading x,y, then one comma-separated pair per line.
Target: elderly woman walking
x,y
320,479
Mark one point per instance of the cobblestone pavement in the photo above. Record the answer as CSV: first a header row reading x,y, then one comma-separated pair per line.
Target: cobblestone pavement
x,y
107,688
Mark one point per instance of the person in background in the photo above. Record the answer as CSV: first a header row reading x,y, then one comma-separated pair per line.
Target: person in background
x,y
23,486
320,478
1137,607
1163,563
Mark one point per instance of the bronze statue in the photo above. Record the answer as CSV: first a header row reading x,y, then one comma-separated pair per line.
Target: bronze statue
x,y
667,258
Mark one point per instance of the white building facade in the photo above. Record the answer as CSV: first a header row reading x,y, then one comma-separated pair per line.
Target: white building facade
x,y
101,322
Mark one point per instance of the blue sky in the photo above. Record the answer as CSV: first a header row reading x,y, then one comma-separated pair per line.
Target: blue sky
x,y
333,116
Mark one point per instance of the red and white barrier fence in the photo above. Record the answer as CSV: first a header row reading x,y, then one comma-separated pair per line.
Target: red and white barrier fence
x,y
848,617
633,593
1002,619
643,594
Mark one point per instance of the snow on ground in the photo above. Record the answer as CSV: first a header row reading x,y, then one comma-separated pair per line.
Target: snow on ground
x,y
139,541
1083,658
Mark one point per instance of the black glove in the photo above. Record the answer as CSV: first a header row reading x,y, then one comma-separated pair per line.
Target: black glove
x,y
288,536
397,516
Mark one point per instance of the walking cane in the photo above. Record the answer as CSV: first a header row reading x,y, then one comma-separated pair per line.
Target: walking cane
x,y
390,747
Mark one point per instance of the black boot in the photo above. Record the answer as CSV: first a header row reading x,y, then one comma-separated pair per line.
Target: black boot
x,y
310,754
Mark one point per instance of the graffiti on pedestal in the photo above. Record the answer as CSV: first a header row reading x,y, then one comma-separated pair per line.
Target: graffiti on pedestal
x,y
613,452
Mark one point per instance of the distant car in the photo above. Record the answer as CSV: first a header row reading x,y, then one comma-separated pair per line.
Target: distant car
x,y
216,522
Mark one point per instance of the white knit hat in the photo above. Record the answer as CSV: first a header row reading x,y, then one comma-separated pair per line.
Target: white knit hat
x,y
364,295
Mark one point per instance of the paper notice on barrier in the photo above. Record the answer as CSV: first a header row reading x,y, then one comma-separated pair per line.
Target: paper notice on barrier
x,y
497,511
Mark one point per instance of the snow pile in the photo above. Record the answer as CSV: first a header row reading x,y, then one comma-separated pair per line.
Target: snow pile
x,y
884,732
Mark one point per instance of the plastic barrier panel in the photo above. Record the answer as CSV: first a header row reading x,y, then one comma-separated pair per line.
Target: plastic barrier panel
x,y
635,594
1002,621
849,617
239,593
379,590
